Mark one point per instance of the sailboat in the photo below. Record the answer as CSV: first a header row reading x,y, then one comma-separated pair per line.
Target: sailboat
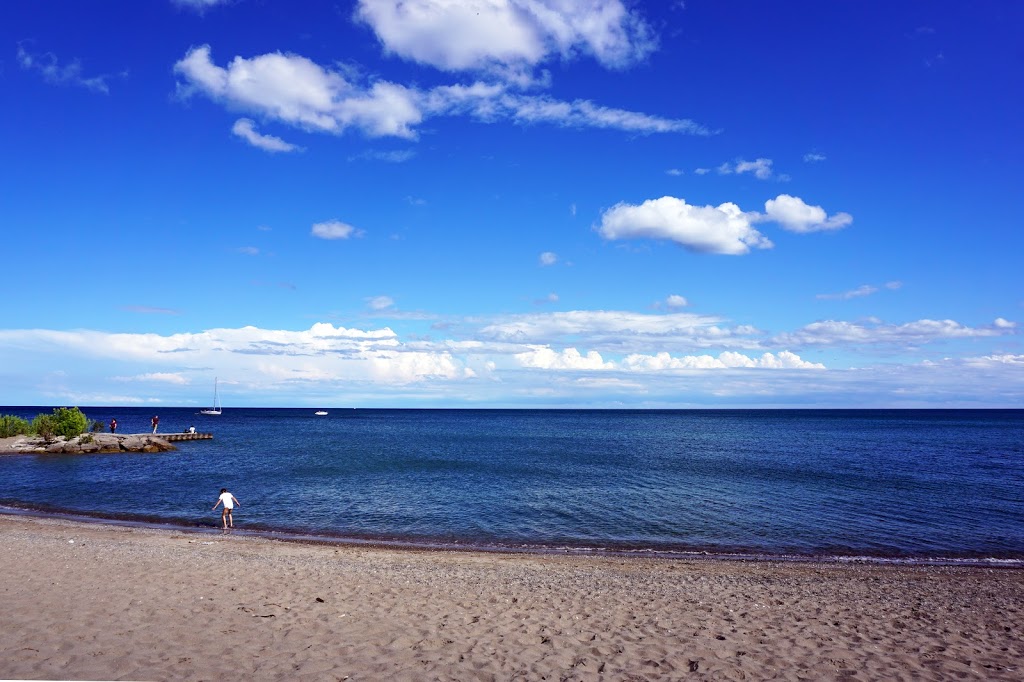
x,y
216,409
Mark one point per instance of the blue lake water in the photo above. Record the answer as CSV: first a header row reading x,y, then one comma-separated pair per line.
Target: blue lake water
x,y
896,484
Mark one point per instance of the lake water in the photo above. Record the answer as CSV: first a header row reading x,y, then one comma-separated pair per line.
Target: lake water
x,y
906,485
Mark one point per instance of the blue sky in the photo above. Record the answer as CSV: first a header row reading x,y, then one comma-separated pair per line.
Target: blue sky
x,y
512,203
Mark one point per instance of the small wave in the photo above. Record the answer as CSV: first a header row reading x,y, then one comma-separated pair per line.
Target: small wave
x,y
427,544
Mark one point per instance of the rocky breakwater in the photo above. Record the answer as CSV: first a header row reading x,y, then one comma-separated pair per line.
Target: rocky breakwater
x,y
86,444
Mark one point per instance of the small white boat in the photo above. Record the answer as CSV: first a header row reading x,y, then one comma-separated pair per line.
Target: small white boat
x,y
216,409
320,413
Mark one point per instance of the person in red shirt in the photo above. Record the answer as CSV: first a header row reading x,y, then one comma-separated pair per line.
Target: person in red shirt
x,y
113,426
156,422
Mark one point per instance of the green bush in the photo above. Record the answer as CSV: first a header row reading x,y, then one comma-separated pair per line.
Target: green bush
x,y
13,426
96,426
43,425
69,422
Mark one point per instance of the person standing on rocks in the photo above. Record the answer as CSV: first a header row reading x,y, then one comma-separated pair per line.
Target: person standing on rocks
x,y
113,426
155,421
229,501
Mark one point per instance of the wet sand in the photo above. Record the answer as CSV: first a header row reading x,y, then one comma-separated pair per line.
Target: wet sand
x,y
92,601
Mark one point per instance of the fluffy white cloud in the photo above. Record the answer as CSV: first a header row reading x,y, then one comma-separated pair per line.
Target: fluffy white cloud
x,y
793,214
334,229
515,34
246,129
542,357
394,367
295,90
585,362
814,157
727,360
548,258
676,301
761,168
723,229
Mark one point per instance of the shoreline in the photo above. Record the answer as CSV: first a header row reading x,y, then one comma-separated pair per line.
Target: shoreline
x,y
15,510
99,601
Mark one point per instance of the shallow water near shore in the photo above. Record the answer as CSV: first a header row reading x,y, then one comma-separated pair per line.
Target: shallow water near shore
x,y
904,485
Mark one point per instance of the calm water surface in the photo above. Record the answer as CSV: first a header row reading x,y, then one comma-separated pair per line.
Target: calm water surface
x,y
866,483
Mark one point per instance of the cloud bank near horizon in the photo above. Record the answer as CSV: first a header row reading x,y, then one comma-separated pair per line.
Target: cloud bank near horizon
x,y
572,356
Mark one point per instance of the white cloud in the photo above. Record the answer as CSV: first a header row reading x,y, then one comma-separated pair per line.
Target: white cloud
x,y
394,156
862,290
392,367
619,331
548,258
248,250
814,157
676,301
245,129
910,334
542,357
796,216
581,113
996,361
380,302
675,172
727,360
334,229
761,168
507,35
723,229
582,358
56,74
161,377
702,171
294,90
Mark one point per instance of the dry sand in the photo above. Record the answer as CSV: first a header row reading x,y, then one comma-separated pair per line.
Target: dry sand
x,y
90,601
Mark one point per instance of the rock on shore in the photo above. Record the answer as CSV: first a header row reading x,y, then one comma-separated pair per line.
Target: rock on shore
x,y
87,443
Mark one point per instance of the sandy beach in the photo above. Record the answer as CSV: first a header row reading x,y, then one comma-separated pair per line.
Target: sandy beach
x,y
91,601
